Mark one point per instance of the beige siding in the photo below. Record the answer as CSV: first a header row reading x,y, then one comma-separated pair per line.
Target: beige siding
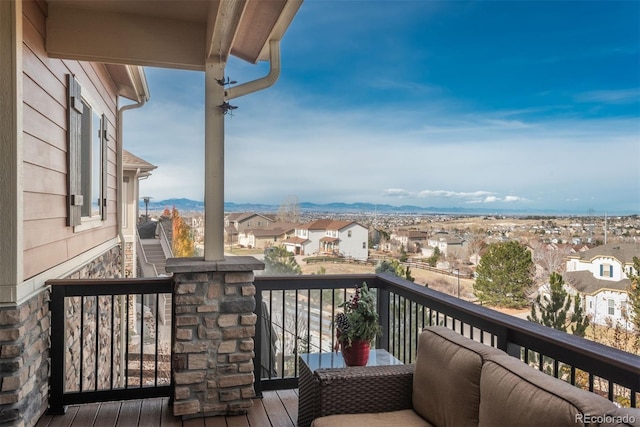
x,y
47,239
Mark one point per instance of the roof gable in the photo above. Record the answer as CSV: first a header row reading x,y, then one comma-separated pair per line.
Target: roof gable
x,y
623,252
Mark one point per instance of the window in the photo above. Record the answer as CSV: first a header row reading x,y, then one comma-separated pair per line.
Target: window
x,y
87,158
91,164
364,245
606,270
611,307
349,233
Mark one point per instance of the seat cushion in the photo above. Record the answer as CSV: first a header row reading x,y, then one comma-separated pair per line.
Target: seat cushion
x,y
446,381
515,394
405,418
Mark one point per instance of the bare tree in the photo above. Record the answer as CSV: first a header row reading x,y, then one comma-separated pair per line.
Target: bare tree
x,y
476,242
550,258
289,210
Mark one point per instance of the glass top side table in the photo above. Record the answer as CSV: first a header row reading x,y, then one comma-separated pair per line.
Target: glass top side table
x,y
309,387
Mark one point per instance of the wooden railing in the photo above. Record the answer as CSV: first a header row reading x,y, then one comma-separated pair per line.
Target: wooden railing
x,y
297,310
110,340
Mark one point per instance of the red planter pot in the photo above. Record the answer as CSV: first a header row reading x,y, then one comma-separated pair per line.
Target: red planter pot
x,y
357,354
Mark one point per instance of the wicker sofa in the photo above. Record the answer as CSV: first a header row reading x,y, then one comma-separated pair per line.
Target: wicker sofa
x,y
459,382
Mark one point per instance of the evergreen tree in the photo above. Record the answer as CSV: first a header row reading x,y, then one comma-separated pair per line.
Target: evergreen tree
x,y
279,261
435,256
555,311
394,267
504,274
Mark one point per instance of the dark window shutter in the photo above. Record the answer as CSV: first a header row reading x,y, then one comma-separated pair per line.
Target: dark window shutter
x,y
104,134
74,147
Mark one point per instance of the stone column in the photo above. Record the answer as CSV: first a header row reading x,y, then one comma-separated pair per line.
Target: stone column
x,y
214,327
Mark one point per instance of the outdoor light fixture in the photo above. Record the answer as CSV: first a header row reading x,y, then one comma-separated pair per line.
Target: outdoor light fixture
x,y
226,107
226,82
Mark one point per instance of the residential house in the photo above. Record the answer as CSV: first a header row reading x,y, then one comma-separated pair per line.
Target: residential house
x,y
134,169
66,68
326,236
68,204
447,244
600,275
266,237
411,240
238,222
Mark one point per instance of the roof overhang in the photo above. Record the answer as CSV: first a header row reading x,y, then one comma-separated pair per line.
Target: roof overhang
x,y
182,34
130,81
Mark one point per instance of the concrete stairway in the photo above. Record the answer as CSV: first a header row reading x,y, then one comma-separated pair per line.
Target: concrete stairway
x,y
155,255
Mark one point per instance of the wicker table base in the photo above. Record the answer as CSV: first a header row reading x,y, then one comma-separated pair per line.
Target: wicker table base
x,y
326,390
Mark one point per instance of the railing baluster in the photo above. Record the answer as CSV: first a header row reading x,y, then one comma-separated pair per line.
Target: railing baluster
x,y
295,338
113,341
284,313
141,337
81,343
126,345
320,318
157,331
309,319
96,366
610,390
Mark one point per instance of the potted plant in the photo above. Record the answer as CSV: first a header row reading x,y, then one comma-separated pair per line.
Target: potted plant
x,y
357,326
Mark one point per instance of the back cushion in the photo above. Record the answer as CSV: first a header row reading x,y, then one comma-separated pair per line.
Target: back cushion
x,y
515,394
446,381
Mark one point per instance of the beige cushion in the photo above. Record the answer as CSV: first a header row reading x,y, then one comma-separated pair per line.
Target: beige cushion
x,y
405,418
446,381
622,417
515,394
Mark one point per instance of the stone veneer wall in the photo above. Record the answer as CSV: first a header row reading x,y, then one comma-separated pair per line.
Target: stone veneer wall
x,y
24,348
129,265
214,330
24,361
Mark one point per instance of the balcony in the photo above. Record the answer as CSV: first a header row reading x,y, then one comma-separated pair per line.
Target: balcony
x,y
294,315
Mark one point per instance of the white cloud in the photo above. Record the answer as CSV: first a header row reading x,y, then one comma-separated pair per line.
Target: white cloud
x,y
397,192
514,199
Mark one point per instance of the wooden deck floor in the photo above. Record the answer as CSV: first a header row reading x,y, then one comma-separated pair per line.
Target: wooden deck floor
x,y
276,409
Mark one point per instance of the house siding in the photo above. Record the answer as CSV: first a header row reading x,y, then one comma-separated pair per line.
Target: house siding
x,y
352,247
597,306
47,239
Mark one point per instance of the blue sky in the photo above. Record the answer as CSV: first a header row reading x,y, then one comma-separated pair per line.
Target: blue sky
x,y
487,104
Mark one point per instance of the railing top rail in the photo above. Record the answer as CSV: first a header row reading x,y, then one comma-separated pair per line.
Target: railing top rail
x,y
88,287
318,281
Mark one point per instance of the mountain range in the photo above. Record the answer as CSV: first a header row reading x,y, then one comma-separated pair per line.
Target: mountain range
x,y
188,205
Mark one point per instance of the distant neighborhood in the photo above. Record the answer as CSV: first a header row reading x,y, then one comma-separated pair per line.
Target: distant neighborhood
x,y
572,246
